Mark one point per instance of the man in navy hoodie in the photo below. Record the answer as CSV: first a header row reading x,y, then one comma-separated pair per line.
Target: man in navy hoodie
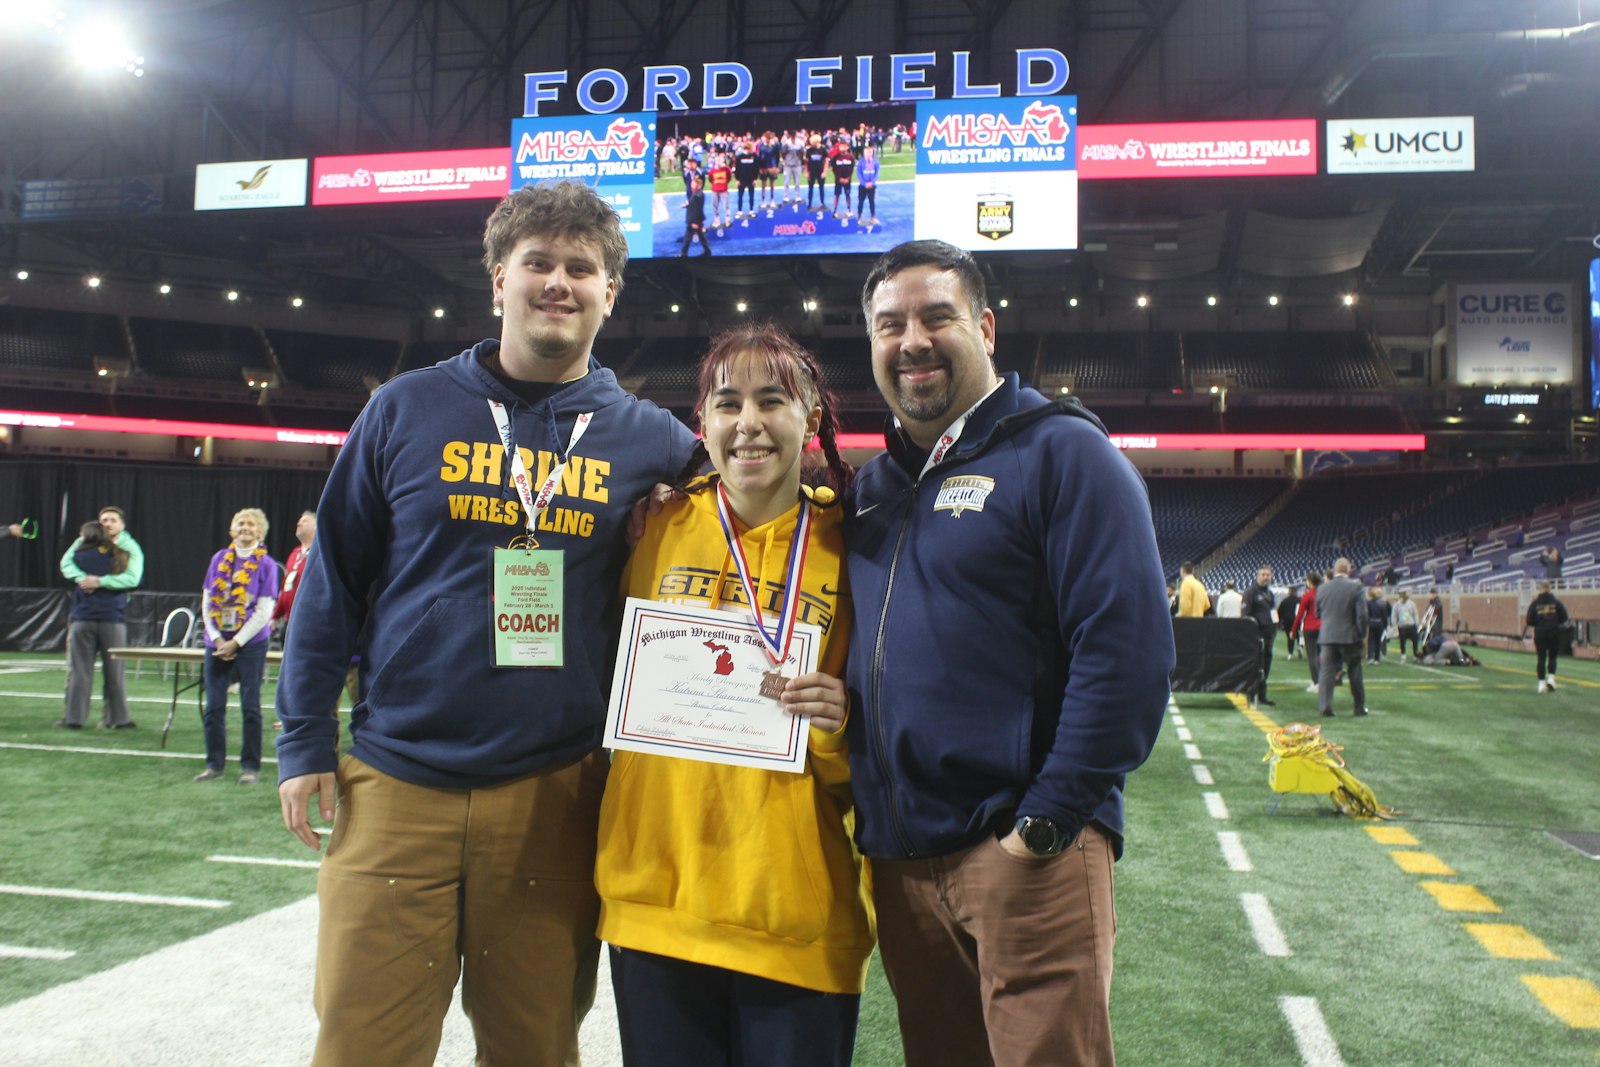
x,y
469,798
1008,668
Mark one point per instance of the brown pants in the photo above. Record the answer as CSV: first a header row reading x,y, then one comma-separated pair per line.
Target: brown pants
x,y
1000,960
421,885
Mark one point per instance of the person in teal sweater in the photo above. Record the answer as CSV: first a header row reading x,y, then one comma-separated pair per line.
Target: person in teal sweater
x,y
81,652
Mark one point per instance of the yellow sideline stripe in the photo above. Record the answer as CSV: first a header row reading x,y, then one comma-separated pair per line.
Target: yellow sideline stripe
x,y
1509,941
1562,679
1421,863
1460,897
1575,1001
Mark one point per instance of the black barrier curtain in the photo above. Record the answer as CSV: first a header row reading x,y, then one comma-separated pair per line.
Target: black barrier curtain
x,y
178,514
35,620
1216,656
31,491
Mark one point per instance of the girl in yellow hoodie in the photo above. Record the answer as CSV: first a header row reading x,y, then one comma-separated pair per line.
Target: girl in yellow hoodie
x,y
736,906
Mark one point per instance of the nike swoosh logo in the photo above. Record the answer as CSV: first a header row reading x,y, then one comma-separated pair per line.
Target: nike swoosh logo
x,y
862,511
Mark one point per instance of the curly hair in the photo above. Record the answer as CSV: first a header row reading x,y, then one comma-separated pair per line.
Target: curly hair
x,y
570,210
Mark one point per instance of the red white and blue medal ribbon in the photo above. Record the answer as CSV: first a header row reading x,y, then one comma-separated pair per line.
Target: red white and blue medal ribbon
x,y
776,643
952,434
533,507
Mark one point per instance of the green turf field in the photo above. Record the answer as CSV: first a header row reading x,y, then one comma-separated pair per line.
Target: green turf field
x,y
1480,765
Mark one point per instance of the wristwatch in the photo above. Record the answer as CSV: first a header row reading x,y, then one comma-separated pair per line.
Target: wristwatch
x,y
1041,836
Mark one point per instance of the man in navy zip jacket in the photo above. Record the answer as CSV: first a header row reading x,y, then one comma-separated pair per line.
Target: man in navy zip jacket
x,y
469,800
1008,669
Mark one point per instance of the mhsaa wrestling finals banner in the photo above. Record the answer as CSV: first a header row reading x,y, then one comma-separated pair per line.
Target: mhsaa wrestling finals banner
x,y
610,152
998,173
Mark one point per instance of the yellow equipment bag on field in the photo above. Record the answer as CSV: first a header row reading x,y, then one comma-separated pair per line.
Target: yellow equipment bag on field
x,y
1301,760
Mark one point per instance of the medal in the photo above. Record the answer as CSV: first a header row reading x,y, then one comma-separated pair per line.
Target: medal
x,y
776,643
772,683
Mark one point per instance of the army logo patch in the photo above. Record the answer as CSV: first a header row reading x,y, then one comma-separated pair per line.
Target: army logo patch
x,y
997,216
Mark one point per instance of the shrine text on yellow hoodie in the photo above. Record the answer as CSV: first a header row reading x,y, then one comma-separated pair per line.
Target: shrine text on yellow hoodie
x,y
742,868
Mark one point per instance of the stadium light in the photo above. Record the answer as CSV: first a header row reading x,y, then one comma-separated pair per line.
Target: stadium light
x,y
259,378
1211,301
164,289
438,313
1143,301
742,306
1072,301
92,281
295,301
110,367
811,305
674,309
22,275
232,295
1349,300
1004,303
100,46
1272,301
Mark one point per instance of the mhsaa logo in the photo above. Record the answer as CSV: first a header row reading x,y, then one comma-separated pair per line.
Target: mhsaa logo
x,y
1508,345
623,139
1041,123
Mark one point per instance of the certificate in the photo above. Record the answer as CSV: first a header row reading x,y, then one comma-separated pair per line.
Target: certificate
x,y
688,684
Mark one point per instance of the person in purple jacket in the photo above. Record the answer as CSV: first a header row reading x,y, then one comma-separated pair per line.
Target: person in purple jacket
x,y
237,600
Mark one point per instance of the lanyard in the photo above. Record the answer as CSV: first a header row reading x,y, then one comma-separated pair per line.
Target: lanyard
x,y
952,434
533,507
775,644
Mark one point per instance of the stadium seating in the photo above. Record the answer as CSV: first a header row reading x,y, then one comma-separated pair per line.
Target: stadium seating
x,y
1193,516
321,361
195,351
40,339
1303,360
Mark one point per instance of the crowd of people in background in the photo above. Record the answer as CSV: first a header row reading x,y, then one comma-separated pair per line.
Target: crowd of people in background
x,y
1364,620
730,177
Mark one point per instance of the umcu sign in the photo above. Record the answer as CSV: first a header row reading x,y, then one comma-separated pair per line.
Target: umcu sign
x,y
1404,146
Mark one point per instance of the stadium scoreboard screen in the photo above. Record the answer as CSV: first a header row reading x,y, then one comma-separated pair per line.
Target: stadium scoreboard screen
x,y
959,161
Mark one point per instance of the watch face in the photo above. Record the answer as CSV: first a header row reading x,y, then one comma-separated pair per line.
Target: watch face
x,y
1041,836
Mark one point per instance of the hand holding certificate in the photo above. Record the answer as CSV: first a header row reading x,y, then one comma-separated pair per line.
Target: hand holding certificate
x,y
689,683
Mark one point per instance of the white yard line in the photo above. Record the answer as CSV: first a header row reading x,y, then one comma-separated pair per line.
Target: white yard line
x,y
1233,851
93,751
1192,751
1216,807
1311,1033
1263,925
1202,774
183,702
111,898
265,861
1177,720
1183,734
18,952
244,989
1454,675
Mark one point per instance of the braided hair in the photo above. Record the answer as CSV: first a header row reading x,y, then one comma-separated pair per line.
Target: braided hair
x,y
793,366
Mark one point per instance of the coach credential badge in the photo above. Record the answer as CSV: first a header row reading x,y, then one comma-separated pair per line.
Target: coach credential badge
x,y
963,492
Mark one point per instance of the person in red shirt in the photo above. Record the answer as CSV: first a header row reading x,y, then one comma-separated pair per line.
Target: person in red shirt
x,y
1309,623
304,531
718,175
